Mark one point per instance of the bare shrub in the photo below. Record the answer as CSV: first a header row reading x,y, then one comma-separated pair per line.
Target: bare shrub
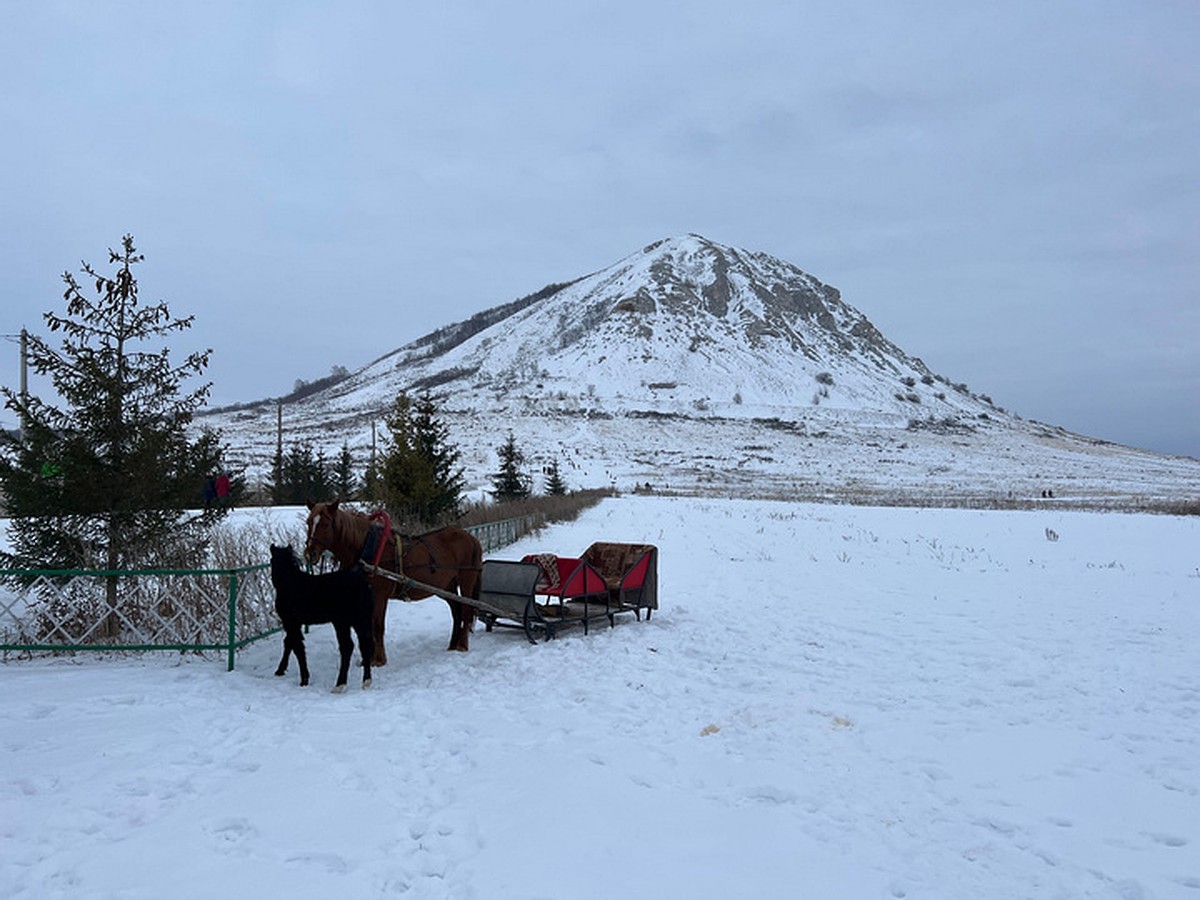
x,y
248,543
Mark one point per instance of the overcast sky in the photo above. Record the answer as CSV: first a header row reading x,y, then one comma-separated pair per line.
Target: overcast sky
x,y
1008,190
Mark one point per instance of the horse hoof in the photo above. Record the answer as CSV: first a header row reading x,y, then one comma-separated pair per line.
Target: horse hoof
x,y
339,689
366,683
281,672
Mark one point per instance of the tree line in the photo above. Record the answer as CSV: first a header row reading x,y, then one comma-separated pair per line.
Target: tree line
x,y
416,476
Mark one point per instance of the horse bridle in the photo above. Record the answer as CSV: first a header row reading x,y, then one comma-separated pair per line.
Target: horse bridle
x,y
313,541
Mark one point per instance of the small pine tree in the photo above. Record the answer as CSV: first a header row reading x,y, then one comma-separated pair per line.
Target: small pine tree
x,y
111,479
316,478
510,483
373,486
448,476
344,482
556,486
419,477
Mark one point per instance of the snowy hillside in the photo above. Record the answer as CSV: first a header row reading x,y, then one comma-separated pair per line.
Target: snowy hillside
x,y
694,366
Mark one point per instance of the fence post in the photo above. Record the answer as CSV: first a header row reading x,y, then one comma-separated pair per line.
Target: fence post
x,y
233,575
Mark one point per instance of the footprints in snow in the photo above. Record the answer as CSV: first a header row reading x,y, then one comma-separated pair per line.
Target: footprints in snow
x,y
231,833
1167,840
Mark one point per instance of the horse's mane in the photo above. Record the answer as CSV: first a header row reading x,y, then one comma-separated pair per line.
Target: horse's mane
x,y
354,524
351,526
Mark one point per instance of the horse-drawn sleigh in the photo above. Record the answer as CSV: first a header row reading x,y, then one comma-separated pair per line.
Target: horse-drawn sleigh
x,y
539,594
606,580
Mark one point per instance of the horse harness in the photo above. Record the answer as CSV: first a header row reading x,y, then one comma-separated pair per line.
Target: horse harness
x,y
375,545
376,541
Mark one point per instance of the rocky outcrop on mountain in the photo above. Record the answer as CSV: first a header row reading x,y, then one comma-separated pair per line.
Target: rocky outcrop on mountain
x,y
685,326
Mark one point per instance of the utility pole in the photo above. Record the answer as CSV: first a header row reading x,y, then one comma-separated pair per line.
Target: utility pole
x,y
24,379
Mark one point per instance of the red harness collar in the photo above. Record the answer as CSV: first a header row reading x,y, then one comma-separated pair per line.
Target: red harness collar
x,y
385,526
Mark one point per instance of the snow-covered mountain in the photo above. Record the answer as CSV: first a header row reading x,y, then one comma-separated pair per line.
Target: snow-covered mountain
x,y
691,365
684,326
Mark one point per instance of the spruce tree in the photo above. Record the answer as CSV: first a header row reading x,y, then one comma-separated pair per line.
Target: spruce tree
x,y
556,486
106,475
344,482
510,483
419,476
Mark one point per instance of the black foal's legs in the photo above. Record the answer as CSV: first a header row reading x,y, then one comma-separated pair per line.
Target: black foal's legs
x,y
346,649
366,649
293,642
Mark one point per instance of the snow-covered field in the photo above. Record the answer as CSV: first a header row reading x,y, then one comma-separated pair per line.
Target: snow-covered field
x,y
831,702
844,456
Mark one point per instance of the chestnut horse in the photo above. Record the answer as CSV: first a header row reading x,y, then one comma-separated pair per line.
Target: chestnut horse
x,y
448,558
